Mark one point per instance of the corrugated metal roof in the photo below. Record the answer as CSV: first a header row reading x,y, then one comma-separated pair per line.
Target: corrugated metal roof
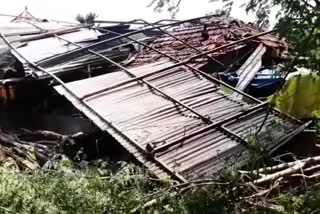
x,y
186,146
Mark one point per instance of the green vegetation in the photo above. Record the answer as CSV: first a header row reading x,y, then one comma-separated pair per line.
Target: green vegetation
x,y
304,204
126,191
129,189
256,154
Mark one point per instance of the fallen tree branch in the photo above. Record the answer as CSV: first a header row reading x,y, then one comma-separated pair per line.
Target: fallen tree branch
x,y
294,167
314,176
40,135
275,168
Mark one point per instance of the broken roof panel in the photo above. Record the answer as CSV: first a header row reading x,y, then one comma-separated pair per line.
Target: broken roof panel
x,y
183,145
41,49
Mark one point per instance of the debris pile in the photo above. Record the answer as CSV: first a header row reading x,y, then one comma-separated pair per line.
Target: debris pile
x,y
29,150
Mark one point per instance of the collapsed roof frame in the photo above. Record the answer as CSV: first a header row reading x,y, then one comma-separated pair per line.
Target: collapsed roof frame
x,y
175,101
205,119
179,63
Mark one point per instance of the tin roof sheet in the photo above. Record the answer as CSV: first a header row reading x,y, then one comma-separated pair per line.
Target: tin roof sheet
x,y
136,116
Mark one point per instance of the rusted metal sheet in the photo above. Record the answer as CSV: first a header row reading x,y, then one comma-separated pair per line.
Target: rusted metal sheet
x,y
220,32
138,117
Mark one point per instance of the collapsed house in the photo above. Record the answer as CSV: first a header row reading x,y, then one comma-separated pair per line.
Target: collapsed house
x,y
165,104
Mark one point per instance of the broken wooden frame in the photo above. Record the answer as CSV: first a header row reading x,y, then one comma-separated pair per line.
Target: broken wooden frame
x,y
249,69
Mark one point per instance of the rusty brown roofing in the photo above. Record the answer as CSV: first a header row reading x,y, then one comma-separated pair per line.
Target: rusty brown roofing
x,y
184,145
220,32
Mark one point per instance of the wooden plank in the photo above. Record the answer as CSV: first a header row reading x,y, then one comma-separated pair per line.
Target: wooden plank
x,y
249,69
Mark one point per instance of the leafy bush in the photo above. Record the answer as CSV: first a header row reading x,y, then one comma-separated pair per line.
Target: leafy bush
x,y
72,192
305,204
125,191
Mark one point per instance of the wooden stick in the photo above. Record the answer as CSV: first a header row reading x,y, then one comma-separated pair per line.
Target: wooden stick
x,y
282,166
312,168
